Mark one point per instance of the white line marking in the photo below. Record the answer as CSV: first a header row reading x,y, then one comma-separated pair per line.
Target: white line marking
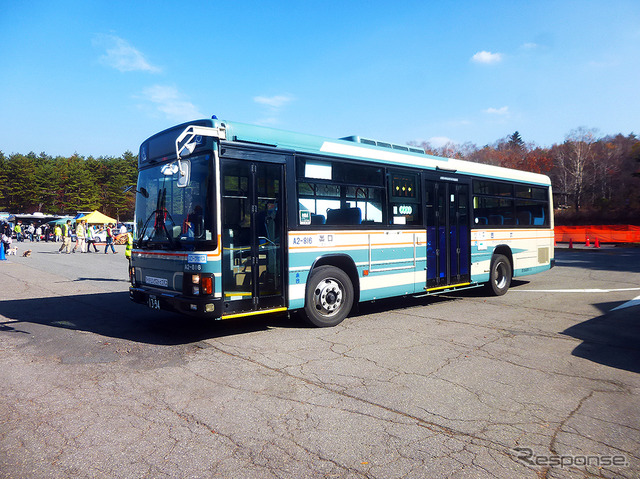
x,y
573,290
634,302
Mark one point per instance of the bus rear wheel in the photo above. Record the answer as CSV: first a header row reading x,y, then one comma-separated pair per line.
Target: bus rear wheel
x,y
500,275
329,296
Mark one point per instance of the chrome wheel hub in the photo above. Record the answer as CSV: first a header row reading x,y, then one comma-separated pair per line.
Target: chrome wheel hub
x,y
328,297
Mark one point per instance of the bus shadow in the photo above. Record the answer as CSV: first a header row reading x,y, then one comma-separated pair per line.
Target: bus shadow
x,y
611,339
397,303
114,315
392,304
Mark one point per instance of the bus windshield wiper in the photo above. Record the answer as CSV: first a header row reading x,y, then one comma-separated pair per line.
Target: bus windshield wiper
x,y
144,229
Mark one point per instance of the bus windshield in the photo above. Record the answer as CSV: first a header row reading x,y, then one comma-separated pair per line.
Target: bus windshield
x,y
172,215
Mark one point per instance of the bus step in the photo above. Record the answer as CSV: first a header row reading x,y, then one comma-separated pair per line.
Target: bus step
x,y
449,289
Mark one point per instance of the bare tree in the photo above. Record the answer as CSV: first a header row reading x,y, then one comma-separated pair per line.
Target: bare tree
x,y
574,161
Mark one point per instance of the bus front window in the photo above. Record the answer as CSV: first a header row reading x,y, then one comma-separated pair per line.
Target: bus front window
x,y
173,216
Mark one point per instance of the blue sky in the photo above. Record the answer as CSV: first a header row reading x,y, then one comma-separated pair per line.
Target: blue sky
x,y
98,77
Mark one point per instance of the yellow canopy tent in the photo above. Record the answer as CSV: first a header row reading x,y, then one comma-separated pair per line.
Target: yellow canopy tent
x,y
97,218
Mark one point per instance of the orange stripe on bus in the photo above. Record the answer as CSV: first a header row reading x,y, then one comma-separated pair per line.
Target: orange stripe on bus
x,y
353,245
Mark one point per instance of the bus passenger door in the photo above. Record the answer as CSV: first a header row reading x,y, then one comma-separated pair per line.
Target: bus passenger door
x,y
252,236
448,234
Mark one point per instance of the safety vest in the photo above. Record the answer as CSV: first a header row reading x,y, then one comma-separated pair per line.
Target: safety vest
x,y
129,245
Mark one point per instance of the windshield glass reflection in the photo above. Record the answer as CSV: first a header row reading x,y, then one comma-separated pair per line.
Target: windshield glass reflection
x,y
173,217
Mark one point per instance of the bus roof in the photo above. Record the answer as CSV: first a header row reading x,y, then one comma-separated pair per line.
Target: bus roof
x,y
376,151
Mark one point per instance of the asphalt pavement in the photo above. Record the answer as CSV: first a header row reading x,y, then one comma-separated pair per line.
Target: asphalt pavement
x,y
541,382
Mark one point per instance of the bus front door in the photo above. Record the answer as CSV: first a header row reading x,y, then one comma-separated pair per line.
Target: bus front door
x,y
252,233
448,234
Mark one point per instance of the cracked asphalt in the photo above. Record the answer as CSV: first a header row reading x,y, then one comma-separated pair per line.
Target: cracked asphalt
x,y
460,385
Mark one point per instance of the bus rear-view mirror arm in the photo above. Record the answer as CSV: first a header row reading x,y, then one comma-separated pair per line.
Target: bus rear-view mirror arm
x,y
141,191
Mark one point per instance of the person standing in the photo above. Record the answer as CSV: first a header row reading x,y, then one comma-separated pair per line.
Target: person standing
x,y
109,239
18,231
6,240
91,241
129,247
80,236
66,238
57,231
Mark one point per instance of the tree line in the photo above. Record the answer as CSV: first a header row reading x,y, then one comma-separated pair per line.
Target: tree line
x,y
596,179
65,185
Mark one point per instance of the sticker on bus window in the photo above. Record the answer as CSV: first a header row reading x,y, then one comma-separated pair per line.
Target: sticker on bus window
x,y
197,258
305,217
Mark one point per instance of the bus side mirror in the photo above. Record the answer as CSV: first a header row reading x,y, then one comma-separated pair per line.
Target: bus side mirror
x,y
184,174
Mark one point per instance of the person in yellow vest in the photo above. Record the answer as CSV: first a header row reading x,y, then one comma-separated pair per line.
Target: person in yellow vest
x,y
57,231
66,238
91,240
18,231
129,247
80,237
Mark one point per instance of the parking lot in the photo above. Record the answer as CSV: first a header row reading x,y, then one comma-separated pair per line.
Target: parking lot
x,y
536,383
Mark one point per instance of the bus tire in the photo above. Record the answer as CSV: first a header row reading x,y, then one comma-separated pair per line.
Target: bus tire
x,y
328,297
500,275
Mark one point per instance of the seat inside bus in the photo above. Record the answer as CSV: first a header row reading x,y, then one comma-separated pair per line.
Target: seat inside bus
x,y
318,219
344,216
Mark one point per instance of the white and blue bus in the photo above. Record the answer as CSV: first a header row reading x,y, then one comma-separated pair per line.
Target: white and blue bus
x,y
236,220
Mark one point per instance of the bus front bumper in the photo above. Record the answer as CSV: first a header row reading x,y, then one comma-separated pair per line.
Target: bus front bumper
x,y
169,301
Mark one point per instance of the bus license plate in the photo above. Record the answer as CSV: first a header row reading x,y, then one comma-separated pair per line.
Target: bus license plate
x,y
154,303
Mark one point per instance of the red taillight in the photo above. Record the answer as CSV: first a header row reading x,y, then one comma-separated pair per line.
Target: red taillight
x,y
206,285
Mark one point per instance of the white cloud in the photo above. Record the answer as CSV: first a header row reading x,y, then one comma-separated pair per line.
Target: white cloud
x,y
273,106
530,46
276,102
487,57
170,101
122,56
498,111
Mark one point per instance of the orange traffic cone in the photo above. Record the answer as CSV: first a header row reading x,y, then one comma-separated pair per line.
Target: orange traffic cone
x,y
570,243
587,244
597,243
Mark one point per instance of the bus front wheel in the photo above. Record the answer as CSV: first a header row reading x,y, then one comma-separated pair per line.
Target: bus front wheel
x,y
500,275
329,296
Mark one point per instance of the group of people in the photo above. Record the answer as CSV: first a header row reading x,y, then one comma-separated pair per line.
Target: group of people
x,y
21,233
29,232
86,238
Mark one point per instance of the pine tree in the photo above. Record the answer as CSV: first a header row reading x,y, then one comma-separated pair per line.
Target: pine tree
x,y
516,141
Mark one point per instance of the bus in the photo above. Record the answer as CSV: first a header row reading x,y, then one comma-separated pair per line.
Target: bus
x,y
236,220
